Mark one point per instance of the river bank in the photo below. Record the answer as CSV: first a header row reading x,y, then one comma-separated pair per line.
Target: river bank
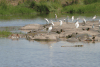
x,y
45,7
39,24
66,32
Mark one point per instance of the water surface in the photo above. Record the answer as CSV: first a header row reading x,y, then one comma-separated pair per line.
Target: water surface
x,y
24,53
24,20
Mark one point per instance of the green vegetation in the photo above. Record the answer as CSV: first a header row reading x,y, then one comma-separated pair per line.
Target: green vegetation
x,y
10,10
6,9
5,33
82,8
77,8
90,1
31,7
46,6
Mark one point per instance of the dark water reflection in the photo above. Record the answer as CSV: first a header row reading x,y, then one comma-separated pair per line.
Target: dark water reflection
x,y
24,53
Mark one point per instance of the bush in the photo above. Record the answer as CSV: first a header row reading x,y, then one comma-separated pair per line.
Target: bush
x,y
42,8
20,10
33,4
90,1
45,7
3,4
82,8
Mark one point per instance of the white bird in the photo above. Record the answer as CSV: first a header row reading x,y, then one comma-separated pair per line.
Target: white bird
x,y
64,20
60,22
52,22
99,26
94,18
13,36
67,19
56,17
84,21
47,20
93,26
77,19
77,24
49,29
50,46
72,18
99,21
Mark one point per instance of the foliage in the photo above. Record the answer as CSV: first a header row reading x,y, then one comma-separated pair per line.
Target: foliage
x,y
41,7
45,7
3,4
33,3
82,8
5,33
14,10
29,7
90,1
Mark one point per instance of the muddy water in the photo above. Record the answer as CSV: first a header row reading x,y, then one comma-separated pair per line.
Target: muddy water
x,y
24,53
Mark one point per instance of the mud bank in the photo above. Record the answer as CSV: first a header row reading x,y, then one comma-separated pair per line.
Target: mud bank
x,y
65,32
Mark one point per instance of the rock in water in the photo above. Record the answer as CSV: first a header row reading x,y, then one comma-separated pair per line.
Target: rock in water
x,y
72,40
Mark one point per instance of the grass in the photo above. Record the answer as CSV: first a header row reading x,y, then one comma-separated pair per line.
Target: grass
x,y
6,9
11,10
91,8
29,7
45,7
5,33
90,1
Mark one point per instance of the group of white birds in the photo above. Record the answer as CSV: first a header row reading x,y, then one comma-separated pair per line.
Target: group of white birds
x,y
66,20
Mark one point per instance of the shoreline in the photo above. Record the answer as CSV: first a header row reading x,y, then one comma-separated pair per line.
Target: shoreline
x,y
69,33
